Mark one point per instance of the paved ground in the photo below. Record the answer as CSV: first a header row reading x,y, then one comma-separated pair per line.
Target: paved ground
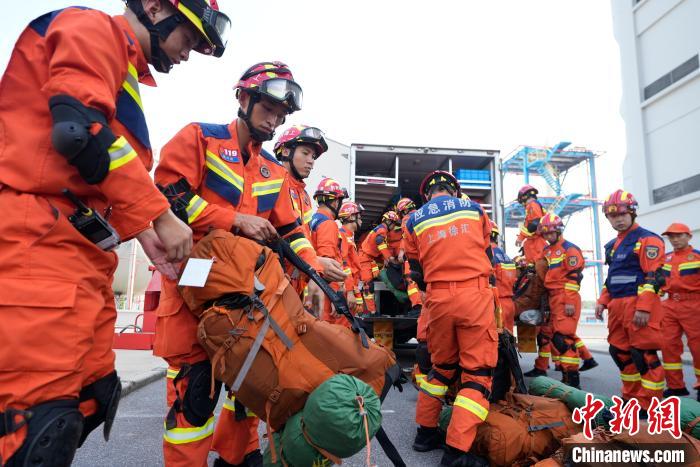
x,y
137,434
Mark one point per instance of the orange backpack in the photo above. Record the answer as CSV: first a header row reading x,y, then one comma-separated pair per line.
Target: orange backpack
x,y
263,345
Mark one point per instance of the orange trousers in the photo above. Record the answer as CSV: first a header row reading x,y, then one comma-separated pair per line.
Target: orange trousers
x,y
564,328
680,316
533,248
185,444
413,293
545,351
369,270
459,339
634,350
507,312
56,307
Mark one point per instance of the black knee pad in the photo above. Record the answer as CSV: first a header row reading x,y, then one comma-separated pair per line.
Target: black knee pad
x,y
53,433
542,340
639,361
620,357
392,377
196,404
423,358
559,342
106,391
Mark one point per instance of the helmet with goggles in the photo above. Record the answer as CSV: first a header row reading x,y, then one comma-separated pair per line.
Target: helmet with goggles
x,y
300,134
439,178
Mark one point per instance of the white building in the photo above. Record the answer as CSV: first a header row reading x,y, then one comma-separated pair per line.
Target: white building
x,y
659,43
334,163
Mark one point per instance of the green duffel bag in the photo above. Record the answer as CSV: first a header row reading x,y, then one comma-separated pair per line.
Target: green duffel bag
x,y
400,295
296,450
445,417
267,455
333,418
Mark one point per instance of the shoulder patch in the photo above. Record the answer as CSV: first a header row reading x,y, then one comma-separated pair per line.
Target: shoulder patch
x,y
573,261
651,252
215,130
269,157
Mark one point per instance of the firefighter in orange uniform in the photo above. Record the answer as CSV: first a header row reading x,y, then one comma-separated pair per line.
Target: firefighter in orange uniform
x,y
297,149
374,251
72,118
682,273
635,259
448,248
531,241
404,208
506,274
325,237
218,176
350,218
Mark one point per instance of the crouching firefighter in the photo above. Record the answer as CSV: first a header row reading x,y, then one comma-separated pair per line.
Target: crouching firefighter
x,y
73,124
635,275
448,247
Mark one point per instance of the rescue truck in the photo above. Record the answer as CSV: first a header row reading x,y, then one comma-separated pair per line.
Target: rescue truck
x,y
381,174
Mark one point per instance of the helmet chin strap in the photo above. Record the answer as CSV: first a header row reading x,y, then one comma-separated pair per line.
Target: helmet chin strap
x,y
255,134
290,159
157,32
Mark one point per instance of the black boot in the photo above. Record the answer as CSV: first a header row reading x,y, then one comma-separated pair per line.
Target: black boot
x,y
676,392
588,364
428,439
572,379
414,312
252,459
535,372
456,458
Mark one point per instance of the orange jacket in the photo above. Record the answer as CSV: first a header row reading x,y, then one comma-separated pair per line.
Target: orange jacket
x,y
450,237
533,212
565,267
325,234
505,272
351,259
682,271
97,60
375,244
209,157
650,252
394,240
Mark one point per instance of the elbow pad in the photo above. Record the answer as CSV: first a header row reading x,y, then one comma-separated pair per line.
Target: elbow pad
x,y
416,274
532,226
72,138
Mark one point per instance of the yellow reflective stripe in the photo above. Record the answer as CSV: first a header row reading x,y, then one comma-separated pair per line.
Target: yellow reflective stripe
x,y
299,244
195,208
579,344
230,404
572,287
524,231
437,390
472,406
556,358
697,371
667,267
307,216
690,265
268,187
120,153
375,268
347,271
217,166
445,219
358,300
172,372
572,360
545,354
637,246
673,366
555,260
382,247
189,435
645,288
420,377
652,385
412,290
633,377
508,266
131,85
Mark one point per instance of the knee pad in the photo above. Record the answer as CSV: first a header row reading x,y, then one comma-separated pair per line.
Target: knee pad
x,y
542,340
559,342
106,391
195,404
423,357
639,361
53,433
619,356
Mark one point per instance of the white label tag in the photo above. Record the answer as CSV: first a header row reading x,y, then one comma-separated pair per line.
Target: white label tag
x,y
196,272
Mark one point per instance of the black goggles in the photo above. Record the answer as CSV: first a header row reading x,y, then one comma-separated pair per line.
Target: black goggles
x,y
312,135
283,90
216,26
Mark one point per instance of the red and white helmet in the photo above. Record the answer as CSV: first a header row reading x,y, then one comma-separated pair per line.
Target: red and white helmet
x,y
405,205
301,134
390,216
349,208
550,223
525,192
620,202
273,80
330,188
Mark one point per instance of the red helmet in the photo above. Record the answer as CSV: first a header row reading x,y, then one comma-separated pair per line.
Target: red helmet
x,y
273,80
621,202
494,229
525,192
331,189
349,208
439,177
405,205
550,223
301,134
390,216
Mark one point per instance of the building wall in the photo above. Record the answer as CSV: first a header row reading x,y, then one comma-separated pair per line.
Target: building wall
x,y
659,45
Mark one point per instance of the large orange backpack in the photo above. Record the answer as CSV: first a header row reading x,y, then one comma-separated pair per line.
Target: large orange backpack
x,y
262,343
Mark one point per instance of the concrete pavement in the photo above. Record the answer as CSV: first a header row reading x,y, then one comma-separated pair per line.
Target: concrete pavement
x,y
137,368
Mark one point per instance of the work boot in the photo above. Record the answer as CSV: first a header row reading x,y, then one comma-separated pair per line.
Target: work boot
x,y
252,459
588,364
428,439
572,379
414,312
563,377
535,372
455,458
676,392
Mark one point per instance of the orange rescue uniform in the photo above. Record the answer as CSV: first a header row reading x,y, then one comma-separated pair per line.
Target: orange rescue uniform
x,y
412,290
682,272
303,210
506,275
533,243
374,250
57,305
351,266
450,239
221,185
